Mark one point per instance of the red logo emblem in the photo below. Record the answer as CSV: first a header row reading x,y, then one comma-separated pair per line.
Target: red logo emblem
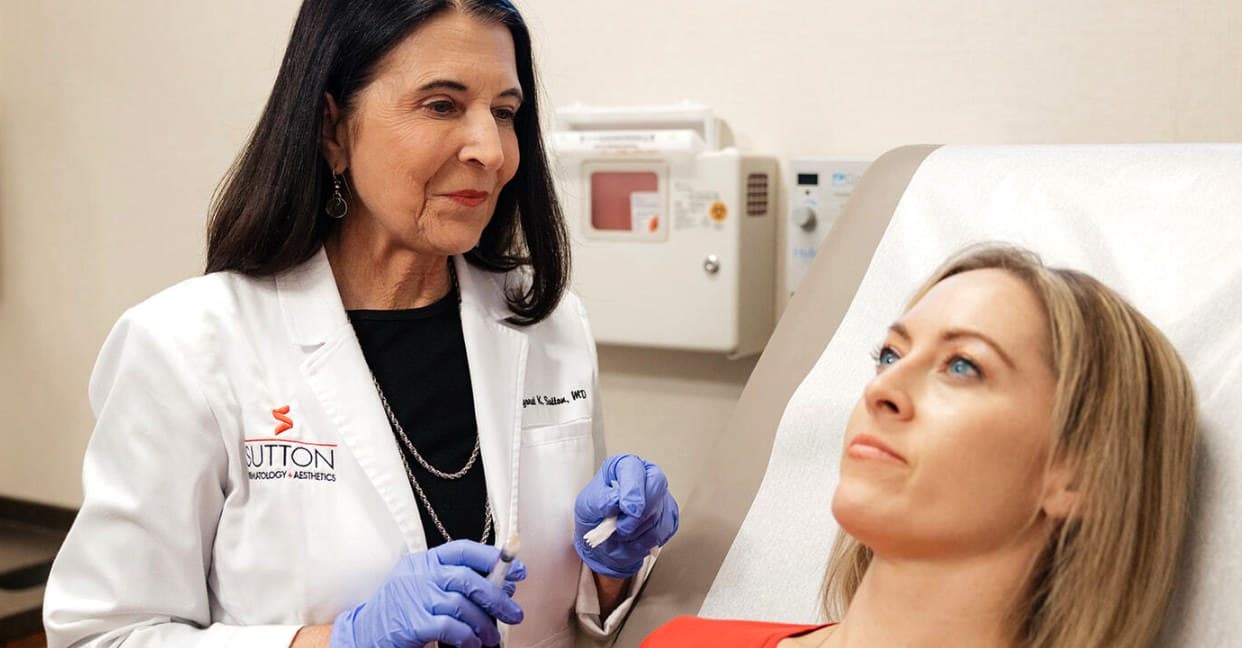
x,y
285,423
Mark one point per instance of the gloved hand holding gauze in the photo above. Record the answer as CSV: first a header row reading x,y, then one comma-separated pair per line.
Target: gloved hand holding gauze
x,y
635,493
437,595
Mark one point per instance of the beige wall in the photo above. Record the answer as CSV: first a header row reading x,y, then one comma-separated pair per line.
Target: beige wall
x,y
117,119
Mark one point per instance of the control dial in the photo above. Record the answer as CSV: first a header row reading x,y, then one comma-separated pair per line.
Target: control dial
x,y
804,217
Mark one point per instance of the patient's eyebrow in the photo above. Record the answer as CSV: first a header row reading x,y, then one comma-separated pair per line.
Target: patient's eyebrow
x,y
956,334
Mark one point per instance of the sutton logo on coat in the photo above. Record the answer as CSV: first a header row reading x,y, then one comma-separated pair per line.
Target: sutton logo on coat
x,y
269,458
285,423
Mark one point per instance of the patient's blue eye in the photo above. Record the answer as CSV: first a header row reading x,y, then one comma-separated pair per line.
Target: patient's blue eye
x,y
961,366
884,356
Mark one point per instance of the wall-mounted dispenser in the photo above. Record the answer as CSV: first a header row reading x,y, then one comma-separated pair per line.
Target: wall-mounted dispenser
x,y
673,235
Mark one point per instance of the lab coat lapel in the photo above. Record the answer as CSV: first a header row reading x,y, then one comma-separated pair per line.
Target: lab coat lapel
x,y
338,375
496,353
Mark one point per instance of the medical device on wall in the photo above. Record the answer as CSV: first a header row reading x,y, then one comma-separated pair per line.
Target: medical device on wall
x,y
818,189
674,236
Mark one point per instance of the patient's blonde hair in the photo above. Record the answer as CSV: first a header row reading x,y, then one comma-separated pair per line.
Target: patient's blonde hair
x,y
1125,418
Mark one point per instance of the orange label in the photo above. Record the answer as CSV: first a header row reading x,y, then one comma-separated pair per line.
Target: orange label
x,y
719,212
285,423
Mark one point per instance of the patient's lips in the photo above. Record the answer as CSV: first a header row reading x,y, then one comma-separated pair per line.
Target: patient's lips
x,y
865,446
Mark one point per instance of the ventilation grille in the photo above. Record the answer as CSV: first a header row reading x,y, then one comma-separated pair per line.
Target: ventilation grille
x,y
757,194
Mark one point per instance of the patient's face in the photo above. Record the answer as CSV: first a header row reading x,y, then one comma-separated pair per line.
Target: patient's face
x,y
963,396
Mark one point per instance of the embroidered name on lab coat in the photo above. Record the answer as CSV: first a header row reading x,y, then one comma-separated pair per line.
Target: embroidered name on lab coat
x,y
554,399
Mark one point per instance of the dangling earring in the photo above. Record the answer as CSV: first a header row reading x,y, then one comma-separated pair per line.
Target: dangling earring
x,y
337,207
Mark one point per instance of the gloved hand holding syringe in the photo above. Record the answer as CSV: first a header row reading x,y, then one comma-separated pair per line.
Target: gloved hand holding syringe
x,y
504,562
439,595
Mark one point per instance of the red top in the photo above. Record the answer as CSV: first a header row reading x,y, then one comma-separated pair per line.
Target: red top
x,y
688,632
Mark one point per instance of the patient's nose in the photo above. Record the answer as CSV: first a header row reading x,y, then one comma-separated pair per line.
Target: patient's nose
x,y
886,396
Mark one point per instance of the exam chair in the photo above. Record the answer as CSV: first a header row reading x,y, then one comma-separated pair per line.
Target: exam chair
x,y
1161,224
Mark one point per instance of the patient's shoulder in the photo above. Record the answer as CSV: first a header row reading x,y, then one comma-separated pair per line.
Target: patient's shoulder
x,y
694,631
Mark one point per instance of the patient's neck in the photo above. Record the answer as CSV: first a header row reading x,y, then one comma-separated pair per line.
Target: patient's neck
x,y
963,602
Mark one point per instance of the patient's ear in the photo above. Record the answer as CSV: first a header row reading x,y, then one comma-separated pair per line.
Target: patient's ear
x,y
1061,498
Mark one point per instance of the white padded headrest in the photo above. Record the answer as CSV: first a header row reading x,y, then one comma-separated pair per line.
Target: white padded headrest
x,y
1161,224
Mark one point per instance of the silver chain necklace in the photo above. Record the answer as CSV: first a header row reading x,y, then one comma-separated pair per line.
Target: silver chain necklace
x,y
405,440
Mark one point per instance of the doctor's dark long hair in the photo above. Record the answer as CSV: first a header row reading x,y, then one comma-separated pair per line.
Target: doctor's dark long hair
x,y
267,215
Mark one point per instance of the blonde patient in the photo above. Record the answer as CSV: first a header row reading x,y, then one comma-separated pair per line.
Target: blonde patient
x,y
1017,473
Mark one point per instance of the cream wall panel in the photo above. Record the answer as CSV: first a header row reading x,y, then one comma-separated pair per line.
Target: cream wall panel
x,y
118,118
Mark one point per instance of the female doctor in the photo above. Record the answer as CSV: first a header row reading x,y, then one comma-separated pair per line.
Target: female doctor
x,y
380,377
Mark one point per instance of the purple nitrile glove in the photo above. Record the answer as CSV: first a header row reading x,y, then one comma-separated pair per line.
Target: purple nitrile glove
x,y
437,595
646,515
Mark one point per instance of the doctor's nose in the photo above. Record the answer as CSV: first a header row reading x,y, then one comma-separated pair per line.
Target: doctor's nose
x,y
482,144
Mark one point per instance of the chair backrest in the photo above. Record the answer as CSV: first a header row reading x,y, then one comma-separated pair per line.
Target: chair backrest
x,y
1161,224
735,465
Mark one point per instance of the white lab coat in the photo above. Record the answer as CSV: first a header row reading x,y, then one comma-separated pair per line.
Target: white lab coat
x,y
201,526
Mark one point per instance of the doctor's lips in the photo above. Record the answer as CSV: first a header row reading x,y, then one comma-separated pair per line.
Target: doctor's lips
x,y
865,446
468,197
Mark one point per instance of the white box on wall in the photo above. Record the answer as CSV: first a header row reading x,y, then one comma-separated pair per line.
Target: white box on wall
x,y
673,237
818,190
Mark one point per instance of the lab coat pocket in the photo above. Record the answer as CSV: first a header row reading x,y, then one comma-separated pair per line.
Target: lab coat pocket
x,y
556,462
537,435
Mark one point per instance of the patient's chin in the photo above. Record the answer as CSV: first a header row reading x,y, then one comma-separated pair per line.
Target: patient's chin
x,y
864,512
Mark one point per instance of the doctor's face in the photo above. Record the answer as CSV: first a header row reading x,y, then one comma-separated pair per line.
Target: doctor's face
x,y
946,450
430,141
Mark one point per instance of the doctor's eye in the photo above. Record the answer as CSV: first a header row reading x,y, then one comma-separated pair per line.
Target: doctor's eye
x,y
505,114
884,356
441,107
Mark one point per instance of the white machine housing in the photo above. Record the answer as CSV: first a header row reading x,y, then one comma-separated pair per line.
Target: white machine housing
x,y
673,236
818,189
